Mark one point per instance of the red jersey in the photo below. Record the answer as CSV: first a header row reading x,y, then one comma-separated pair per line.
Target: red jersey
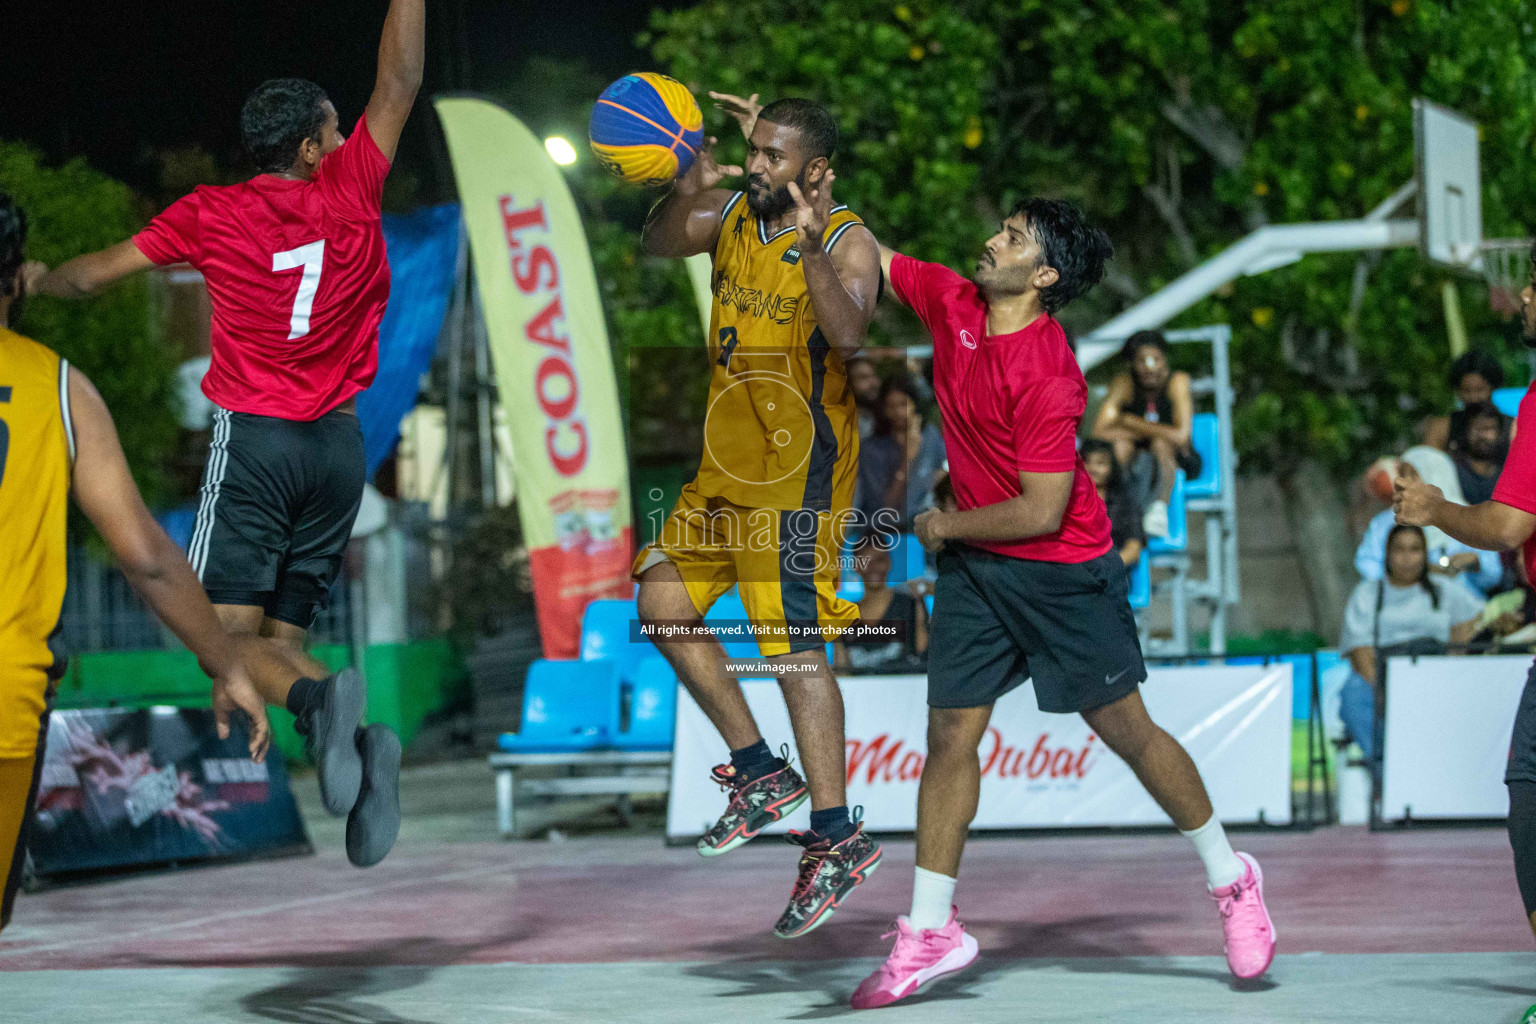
x,y
1011,403
297,278
1517,482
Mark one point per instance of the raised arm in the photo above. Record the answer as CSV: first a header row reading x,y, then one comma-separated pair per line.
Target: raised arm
x,y
687,220
402,60
843,285
86,275
153,563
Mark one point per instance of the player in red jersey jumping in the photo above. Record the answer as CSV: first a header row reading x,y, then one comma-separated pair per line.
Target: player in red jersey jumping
x,y
296,272
1029,587
1505,522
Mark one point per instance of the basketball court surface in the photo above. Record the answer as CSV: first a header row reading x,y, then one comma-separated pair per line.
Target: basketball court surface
x,y
457,929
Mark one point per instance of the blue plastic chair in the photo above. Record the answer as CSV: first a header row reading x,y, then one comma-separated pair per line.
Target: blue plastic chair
x,y
652,708
605,636
1205,437
908,560
1507,400
567,706
928,603
1140,583
1178,521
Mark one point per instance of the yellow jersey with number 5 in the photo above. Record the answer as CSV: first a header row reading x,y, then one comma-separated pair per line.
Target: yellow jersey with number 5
x,y
37,452
781,428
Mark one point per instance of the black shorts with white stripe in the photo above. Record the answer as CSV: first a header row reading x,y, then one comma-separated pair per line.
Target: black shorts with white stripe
x,y
276,510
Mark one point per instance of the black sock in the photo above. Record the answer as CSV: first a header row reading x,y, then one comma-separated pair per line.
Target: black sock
x,y
303,698
832,823
755,761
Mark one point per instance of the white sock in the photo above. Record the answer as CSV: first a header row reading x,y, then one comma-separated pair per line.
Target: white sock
x,y
1222,866
933,895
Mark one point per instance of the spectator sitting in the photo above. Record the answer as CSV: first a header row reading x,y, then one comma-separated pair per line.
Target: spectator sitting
x,y
1474,377
864,382
899,463
882,603
1409,612
1148,416
1480,571
1479,443
1124,513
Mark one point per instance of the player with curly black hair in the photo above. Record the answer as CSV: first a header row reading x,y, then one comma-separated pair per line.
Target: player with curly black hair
x,y
1030,586
297,276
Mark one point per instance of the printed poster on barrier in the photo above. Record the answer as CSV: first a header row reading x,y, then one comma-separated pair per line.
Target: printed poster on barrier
x,y
138,788
1038,770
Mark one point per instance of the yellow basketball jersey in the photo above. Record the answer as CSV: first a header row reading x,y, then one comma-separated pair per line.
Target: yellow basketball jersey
x,y
781,430
37,451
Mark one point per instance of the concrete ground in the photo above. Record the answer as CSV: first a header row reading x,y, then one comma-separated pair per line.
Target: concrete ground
x,y
607,924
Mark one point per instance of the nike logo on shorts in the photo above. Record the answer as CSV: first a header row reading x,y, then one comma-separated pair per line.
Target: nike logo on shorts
x,y
1111,680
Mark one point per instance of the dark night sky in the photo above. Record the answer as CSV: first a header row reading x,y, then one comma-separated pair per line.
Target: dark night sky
x,y
113,81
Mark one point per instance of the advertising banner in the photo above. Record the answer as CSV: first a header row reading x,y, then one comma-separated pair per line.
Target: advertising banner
x,y
1037,770
1448,727
137,788
549,343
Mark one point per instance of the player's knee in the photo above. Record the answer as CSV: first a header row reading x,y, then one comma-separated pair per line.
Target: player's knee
x,y
952,733
1124,726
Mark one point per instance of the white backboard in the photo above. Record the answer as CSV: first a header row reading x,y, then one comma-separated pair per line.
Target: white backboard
x,y
1450,186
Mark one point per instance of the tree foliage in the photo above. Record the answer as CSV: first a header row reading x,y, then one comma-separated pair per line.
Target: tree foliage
x,y
74,209
1181,125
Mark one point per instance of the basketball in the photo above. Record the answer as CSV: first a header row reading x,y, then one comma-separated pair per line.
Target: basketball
x,y
646,128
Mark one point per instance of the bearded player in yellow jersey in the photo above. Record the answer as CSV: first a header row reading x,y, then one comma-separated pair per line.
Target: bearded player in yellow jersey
x,y
795,283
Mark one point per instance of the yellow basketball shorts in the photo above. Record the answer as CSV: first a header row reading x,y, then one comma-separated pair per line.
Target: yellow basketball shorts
x,y
19,778
785,565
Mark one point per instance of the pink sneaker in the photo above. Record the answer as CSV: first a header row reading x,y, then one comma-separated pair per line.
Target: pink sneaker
x,y
1248,933
919,957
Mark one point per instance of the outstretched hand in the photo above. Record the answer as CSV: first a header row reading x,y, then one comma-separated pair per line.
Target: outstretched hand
x,y
234,691
1415,501
745,111
705,172
812,213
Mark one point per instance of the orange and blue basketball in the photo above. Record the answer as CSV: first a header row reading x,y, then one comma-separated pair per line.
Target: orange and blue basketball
x,y
646,128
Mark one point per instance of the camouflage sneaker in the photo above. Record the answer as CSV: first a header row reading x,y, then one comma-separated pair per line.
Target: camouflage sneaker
x,y
827,875
755,804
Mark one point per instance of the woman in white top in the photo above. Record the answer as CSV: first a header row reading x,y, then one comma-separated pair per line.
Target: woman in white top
x,y
1409,608
1480,571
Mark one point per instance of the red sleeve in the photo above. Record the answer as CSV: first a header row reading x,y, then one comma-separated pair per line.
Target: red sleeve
x,y
353,176
172,237
1045,430
1517,483
920,285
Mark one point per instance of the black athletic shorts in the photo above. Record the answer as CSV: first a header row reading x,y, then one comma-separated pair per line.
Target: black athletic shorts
x,y
999,621
1522,745
277,505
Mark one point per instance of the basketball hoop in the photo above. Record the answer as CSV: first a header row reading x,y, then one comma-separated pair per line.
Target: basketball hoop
x,y
1507,269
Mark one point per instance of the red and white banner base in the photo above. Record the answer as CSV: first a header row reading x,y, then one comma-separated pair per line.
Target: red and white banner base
x,y
1038,770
